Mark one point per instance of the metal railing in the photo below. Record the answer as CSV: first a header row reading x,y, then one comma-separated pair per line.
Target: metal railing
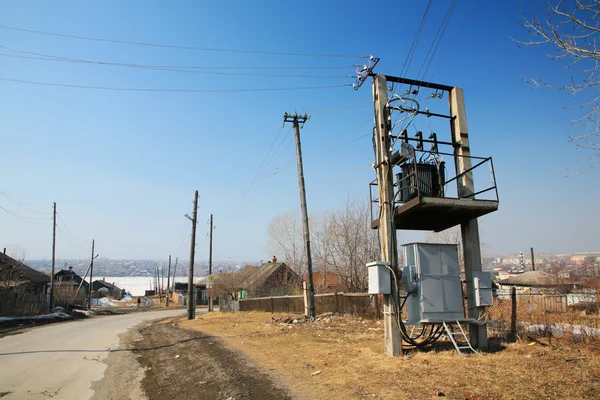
x,y
417,180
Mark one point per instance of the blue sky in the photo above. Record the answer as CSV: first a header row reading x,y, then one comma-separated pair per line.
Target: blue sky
x,y
123,165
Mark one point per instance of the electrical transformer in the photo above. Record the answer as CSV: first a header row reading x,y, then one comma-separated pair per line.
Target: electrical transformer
x,y
432,280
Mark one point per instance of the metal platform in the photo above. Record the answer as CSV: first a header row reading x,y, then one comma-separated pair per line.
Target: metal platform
x,y
438,213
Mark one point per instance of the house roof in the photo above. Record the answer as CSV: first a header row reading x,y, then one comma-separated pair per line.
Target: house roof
x,y
319,279
257,276
107,285
533,279
25,272
72,274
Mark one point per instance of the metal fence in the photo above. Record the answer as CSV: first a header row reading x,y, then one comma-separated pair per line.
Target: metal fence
x,y
544,315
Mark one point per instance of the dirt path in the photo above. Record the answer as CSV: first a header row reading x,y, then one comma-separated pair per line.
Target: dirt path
x,y
191,365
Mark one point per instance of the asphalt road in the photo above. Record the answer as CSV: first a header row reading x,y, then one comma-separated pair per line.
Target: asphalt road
x,y
62,360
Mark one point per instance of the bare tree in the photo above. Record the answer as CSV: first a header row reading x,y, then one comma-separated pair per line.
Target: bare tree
x,y
572,30
350,243
342,242
286,240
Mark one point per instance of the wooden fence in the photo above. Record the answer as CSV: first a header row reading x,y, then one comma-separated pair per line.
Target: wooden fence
x,y
362,304
14,304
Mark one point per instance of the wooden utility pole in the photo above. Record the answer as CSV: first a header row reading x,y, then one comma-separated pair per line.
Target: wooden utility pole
x,y
162,279
210,299
91,276
168,282
296,120
51,300
469,230
191,306
387,228
174,274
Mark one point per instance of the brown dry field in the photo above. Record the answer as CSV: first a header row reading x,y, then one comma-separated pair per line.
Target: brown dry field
x,y
349,353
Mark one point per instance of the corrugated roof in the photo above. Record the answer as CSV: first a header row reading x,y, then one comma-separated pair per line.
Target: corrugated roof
x,y
533,279
26,272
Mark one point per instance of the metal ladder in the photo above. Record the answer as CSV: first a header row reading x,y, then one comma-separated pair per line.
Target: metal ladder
x,y
458,346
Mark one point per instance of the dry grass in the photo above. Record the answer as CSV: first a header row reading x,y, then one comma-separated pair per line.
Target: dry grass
x,y
349,352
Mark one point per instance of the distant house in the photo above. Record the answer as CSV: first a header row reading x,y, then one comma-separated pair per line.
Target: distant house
x,y
104,289
181,289
270,279
327,282
14,274
70,288
68,278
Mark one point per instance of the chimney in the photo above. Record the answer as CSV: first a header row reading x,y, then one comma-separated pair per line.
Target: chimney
x,y
5,251
70,269
274,260
104,279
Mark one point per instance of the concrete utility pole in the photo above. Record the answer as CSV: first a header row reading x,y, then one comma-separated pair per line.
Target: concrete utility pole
x,y
191,306
168,282
91,276
469,230
51,301
210,299
296,120
387,228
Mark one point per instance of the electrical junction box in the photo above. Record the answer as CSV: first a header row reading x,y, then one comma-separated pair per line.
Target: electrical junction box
x,y
380,281
482,284
432,280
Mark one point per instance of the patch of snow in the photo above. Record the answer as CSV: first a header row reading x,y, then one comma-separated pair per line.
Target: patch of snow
x,y
104,302
60,314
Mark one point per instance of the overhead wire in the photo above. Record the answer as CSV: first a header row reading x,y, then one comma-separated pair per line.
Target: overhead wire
x,y
436,41
23,205
179,47
462,25
415,42
123,89
34,221
288,164
48,57
167,69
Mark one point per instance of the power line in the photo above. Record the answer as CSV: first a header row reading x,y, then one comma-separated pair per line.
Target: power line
x,y
48,57
415,43
286,165
165,68
122,89
454,38
23,205
263,166
328,151
69,230
127,42
436,40
68,241
26,219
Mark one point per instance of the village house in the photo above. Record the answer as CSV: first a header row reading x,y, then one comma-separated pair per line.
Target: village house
x,y
23,290
104,289
70,288
270,279
327,282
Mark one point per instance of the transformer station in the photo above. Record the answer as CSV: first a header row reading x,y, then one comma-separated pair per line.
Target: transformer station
x,y
426,182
